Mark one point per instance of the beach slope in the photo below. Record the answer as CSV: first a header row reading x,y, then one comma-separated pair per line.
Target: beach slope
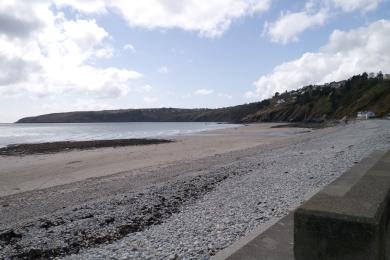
x,y
190,198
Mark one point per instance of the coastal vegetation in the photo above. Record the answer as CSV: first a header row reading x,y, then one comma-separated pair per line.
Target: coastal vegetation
x,y
313,103
336,100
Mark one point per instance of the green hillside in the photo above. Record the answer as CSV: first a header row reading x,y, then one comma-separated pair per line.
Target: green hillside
x,y
330,101
308,104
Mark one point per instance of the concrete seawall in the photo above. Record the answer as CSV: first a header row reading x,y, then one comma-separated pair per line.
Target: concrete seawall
x,y
348,219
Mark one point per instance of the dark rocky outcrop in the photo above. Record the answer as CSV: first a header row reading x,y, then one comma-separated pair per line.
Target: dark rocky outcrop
x,y
54,147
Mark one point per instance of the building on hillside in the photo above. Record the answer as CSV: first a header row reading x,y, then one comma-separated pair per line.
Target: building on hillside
x,y
335,84
365,115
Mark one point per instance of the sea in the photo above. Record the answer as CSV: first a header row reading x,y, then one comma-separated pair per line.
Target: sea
x,y
38,133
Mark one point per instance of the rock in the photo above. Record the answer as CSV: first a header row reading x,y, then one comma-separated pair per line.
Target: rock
x,y
173,257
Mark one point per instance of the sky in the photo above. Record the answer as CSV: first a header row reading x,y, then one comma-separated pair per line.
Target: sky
x,y
74,55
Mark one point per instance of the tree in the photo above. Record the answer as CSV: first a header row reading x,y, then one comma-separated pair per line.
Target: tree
x,y
379,75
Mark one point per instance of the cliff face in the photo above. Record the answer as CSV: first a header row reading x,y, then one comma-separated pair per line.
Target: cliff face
x,y
311,103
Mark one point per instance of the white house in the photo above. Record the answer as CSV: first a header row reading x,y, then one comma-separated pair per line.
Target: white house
x,y
365,114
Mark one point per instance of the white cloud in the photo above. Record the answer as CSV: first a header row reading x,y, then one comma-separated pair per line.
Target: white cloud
x,y
85,6
224,95
210,18
75,105
146,89
163,69
314,14
290,25
129,47
19,19
104,53
204,92
347,53
352,5
54,56
150,99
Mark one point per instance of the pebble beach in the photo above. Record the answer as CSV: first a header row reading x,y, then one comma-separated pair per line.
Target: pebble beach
x,y
188,209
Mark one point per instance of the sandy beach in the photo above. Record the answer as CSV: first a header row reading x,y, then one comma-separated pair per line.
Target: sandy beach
x,y
183,200
20,174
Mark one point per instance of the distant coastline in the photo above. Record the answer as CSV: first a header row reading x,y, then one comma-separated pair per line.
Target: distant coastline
x,y
313,103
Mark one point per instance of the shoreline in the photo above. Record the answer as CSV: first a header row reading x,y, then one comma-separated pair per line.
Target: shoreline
x,y
50,147
38,171
30,133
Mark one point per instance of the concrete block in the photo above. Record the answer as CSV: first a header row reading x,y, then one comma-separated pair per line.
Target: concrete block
x,y
349,219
